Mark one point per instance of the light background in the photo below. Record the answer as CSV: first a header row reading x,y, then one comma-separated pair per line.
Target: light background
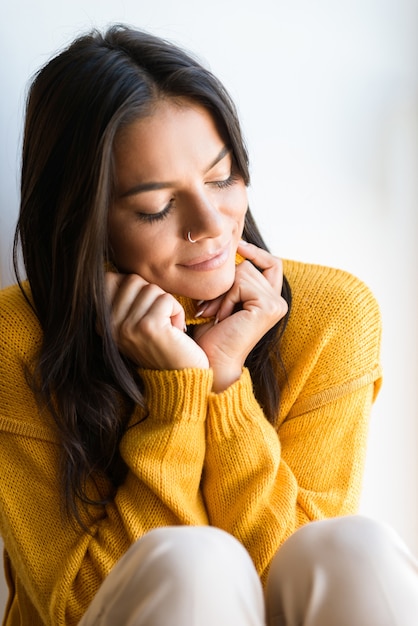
x,y
328,96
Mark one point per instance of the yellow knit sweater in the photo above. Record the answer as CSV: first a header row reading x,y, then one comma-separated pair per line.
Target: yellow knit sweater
x,y
200,457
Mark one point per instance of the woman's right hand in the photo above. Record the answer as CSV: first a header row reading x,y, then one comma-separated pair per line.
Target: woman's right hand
x,y
148,325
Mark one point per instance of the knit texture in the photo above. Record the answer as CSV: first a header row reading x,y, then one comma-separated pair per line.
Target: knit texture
x,y
199,458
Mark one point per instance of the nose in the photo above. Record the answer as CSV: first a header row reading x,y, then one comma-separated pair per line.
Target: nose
x,y
201,216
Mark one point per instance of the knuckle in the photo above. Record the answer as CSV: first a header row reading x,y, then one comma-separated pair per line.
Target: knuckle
x,y
146,326
124,331
277,308
163,296
150,290
278,261
283,308
132,280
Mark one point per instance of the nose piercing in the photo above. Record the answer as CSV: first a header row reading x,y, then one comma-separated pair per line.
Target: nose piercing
x,y
189,237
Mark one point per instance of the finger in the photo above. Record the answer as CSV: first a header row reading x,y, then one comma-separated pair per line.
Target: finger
x,y
112,283
166,310
252,290
209,308
246,285
144,307
270,265
271,268
128,295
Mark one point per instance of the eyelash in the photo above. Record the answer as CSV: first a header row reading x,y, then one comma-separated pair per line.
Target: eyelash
x,y
156,217
223,184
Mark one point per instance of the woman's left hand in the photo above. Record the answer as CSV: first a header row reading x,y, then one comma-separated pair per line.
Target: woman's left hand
x,y
228,341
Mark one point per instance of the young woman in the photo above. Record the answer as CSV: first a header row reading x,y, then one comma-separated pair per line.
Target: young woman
x,y
170,420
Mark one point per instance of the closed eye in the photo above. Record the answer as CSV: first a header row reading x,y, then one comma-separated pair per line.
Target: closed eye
x,y
155,217
223,184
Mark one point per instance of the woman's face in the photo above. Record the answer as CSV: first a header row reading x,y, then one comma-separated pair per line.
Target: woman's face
x,y
175,174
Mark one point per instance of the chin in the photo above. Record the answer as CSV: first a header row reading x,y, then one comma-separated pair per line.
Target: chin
x,y
210,291
202,285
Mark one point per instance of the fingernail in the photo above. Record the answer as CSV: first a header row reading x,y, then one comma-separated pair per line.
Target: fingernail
x,y
185,328
201,309
243,242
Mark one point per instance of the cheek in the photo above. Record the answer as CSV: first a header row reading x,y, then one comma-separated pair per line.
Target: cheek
x,y
138,249
239,203
125,241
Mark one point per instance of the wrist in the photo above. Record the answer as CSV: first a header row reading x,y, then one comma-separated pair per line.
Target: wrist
x,y
224,377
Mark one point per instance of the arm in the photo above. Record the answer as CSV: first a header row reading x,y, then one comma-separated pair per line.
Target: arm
x,y
261,483
61,565
57,565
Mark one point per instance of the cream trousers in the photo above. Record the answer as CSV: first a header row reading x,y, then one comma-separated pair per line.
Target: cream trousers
x,y
348,571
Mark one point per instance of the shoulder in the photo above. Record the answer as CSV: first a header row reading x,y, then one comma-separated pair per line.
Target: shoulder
x,y
20,340
19,327
330,290
334,329
331,301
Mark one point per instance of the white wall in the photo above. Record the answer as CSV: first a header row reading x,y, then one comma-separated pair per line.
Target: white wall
x,y
328,95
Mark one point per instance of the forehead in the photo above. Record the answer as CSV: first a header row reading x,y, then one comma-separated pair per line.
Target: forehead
x,y
170,119
175,131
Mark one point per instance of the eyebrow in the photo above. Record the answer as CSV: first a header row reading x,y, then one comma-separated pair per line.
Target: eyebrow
x,y
142,187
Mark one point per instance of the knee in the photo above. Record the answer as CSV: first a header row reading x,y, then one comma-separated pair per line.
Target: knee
x,y
190,550
204,541
348,536
345,538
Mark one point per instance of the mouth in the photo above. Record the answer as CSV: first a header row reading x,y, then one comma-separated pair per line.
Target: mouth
x,y
209,261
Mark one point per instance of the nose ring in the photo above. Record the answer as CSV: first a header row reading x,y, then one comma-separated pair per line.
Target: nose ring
x,y
189,237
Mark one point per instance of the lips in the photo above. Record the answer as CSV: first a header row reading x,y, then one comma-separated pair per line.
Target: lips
x,y
207,262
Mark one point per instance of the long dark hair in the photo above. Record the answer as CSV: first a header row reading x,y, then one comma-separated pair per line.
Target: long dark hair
x,y
77,103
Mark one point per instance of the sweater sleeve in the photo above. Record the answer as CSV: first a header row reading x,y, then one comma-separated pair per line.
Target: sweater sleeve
x,y
261,483
60,566
54,566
